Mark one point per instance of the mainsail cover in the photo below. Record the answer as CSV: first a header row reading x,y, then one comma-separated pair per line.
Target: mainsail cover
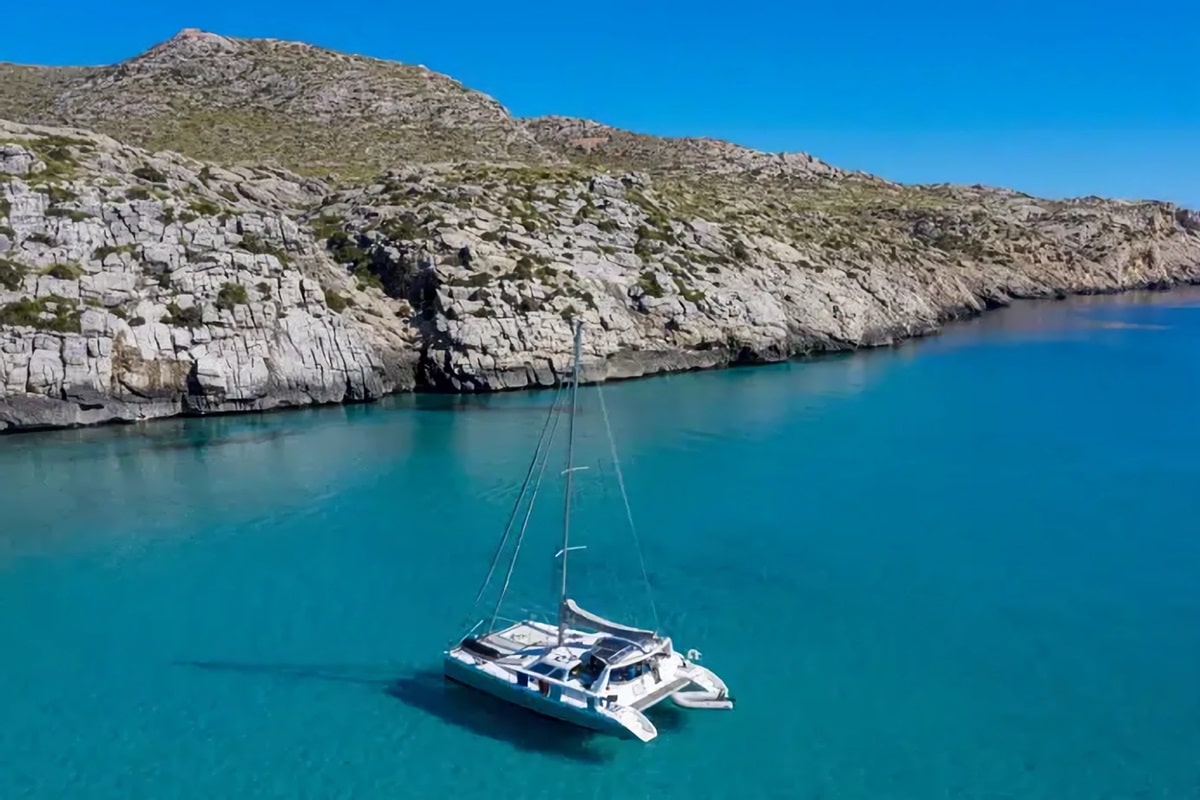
x,y
574,615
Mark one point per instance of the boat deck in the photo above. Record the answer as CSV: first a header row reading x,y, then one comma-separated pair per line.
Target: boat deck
x,y
534,638
519,638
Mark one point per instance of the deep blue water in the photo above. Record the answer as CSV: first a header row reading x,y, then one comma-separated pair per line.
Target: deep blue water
x,y
965,568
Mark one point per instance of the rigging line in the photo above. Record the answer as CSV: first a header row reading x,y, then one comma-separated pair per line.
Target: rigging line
x,y
612,446
524,526
517,503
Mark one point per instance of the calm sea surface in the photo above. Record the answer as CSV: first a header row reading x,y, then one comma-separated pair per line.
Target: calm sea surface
x,y
965,568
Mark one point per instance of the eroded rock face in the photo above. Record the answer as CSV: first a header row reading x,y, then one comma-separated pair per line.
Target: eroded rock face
x,y
493,261
127,297
137,285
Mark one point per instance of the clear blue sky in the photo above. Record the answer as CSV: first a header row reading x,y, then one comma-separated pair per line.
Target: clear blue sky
x,y
1056,97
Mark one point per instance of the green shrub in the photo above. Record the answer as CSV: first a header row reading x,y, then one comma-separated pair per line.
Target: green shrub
x,y
231,295
336,302
24,312
12,275
345,250
253,243
28,312
101,253
326,226
150,174
204,208
650,285
192,317
403,227
64,272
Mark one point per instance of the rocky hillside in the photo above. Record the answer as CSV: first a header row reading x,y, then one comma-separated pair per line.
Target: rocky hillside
x,y
592,144
264,101
136,284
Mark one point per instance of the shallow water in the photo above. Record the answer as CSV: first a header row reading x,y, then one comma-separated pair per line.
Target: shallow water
x,y
968,567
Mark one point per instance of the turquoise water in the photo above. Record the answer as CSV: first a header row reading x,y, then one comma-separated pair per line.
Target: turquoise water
x,y
968,567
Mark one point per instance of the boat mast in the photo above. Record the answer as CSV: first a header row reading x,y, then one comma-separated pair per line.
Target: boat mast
x,y
562,600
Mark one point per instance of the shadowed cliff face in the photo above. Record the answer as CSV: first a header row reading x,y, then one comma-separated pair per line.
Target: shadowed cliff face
x,y
136,284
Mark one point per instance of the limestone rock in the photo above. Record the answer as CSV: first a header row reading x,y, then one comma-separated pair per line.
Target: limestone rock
x,y
116,307
135,284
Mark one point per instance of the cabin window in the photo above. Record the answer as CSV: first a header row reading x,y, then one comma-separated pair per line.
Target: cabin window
x,y
629,673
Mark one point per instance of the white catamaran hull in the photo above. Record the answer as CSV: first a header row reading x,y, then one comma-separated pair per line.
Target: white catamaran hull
x,y
586,670
535,701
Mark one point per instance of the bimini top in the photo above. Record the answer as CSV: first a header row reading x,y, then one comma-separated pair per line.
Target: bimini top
x,y
615,651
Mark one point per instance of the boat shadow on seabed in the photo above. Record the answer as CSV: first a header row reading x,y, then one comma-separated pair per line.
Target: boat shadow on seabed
x,y
429,692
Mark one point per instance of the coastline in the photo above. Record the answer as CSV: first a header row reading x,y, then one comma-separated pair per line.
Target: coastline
x,y
671,363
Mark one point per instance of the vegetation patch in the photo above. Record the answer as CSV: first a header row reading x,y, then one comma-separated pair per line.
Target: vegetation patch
x,y
64,272
57,194
253,243
231,295
649,284
952,242
56,153
337,303
150,174
494,236
191,317
101,253
204,208
12,275
52,313
325,226
690,293
402,228
70,213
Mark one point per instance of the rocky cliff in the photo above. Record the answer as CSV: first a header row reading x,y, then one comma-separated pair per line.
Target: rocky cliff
x,y
136,284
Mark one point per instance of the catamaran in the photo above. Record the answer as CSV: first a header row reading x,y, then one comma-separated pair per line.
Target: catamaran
x,y
584,669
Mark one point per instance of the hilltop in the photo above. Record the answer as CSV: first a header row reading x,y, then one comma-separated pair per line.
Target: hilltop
x,y
275,224
266,101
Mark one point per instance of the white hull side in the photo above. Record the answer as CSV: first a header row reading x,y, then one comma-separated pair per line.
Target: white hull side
x,y
533,700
